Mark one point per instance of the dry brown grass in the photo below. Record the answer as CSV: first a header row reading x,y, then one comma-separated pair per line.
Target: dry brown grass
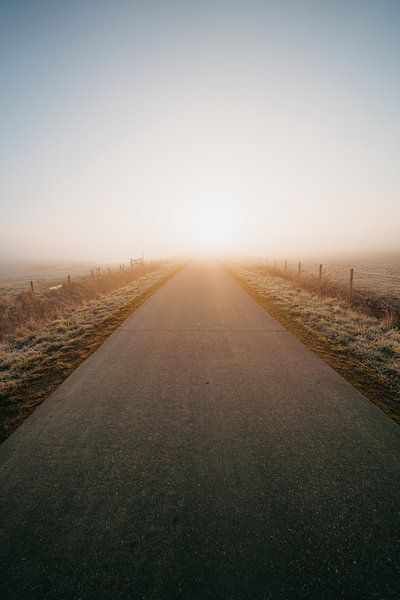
x,y
28,311
45,337
381,304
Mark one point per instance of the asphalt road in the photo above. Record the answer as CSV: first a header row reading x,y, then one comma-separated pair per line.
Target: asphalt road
x,y
202,452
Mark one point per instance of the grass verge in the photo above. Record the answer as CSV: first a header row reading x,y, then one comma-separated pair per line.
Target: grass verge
x,y
34,364
363,349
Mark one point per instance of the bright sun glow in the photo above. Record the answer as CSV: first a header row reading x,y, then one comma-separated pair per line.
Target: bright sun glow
x,y
213,227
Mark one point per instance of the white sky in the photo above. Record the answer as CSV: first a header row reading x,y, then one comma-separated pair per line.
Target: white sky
x,y
255,128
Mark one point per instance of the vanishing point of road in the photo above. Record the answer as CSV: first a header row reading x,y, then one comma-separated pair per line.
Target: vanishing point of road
x,y
202,452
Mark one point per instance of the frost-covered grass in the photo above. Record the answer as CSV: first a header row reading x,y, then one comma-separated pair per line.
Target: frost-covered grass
x,y
33,361
370,342
22,311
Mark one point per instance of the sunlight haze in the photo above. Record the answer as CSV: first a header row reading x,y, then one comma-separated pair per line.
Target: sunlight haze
x,y
166,128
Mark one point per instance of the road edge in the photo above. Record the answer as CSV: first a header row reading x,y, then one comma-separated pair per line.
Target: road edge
x,y
355,372
29,396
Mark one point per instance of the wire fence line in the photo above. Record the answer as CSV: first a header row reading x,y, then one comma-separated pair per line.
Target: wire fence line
x,y
59,277
365,277
377,278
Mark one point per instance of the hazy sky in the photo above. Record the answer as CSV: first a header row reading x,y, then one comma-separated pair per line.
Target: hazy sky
x,y
169,127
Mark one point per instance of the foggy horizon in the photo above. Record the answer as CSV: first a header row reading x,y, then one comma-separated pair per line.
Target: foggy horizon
x,y
258,128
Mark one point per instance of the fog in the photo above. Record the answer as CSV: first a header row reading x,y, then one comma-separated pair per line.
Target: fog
x,y
247,128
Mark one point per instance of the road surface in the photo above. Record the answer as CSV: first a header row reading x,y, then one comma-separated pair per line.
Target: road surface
x,y
202,452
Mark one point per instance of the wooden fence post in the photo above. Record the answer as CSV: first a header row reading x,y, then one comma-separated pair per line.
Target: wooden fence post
x,y
320,273
32,290
69,279
285,265
351,280
299,268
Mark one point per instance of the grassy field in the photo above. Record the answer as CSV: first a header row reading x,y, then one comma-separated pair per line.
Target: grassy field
x,y
44,336
359,337
23,309
378,273
16,278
